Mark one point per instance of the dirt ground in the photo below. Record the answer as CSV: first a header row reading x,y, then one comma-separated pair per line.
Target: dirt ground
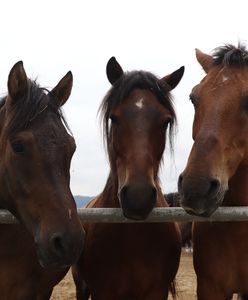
x,y
186,282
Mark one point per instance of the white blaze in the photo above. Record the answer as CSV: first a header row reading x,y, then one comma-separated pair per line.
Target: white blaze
x,y
140,103
224,78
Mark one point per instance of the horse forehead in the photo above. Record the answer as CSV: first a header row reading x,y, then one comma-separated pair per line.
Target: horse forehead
x,y
141,100
48,122
140,103
51,133
220,96
226,77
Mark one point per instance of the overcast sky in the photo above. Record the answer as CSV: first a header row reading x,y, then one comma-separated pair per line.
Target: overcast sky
x,y
55,36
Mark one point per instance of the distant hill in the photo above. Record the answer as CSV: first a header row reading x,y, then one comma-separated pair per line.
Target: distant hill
x,y
82,200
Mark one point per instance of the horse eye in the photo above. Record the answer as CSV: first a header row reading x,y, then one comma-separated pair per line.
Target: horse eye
x,y
17,147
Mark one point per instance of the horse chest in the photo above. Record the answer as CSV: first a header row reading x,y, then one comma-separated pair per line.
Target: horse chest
x,y
130,250
222,255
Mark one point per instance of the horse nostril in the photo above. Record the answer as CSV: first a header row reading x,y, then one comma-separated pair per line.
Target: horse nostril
x,y
57,244
213,187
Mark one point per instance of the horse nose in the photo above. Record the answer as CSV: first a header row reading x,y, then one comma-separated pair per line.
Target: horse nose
x,y
203,186
199,194
138,200
59,249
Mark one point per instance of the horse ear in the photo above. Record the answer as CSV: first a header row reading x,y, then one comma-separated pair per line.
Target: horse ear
x,y
114,70
17,82
205,60
62,90
174,78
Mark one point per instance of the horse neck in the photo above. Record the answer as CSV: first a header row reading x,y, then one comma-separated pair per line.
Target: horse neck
x,y
237,193
161,201
109,198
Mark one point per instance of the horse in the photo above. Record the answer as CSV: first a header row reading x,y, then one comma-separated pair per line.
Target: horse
x,y
216,173
36,148
132,261
174,200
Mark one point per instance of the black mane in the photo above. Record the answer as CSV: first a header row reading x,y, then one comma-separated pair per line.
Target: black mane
x,y
229,55
25,110
122,88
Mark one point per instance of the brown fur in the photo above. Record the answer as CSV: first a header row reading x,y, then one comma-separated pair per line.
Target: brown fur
x,y
132,261
217,173
22,277
34,185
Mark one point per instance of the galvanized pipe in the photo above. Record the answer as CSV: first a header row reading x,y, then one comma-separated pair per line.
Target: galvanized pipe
x,y
162,214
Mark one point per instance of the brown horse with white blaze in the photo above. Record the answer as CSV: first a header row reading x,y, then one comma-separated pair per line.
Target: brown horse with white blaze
x,y
36,150
217,172
132,261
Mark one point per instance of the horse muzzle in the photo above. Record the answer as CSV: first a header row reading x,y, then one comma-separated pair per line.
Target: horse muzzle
x,y
137,201
60,250
200,196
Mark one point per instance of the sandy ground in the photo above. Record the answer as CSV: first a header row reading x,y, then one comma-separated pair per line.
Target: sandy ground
x,y
186,283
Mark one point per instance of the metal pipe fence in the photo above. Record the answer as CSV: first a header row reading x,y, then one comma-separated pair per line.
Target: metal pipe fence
x,y
162,214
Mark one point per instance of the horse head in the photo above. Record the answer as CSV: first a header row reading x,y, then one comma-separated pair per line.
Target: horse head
x,y
36,151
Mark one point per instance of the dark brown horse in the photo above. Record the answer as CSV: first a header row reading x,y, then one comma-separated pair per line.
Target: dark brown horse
x,y
132,261
36,150
217,172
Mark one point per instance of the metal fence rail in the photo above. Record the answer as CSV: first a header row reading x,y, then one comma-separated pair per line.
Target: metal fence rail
x,y
164,214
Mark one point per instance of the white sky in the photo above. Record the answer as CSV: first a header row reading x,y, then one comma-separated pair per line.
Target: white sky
x,y
55,36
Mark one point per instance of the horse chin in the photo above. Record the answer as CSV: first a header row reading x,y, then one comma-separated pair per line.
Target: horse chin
x,y
53,266
52,256
136,216
202,207
199,212
49,263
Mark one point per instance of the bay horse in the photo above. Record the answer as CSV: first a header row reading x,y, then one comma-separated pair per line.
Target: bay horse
x,y
132,261
36,149
216,173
